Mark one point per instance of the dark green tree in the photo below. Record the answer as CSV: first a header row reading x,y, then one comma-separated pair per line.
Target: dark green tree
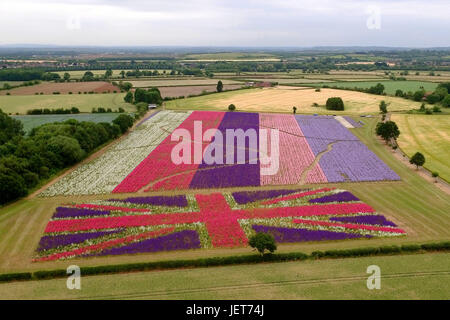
x,y
417,159
383,107
231,107
262,242
66,76
124,121
219,86
294,110
128,97
387,130
335,103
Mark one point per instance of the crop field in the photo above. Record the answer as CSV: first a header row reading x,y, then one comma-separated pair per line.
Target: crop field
x,y
84,102
31,121
416,206
389,86
312,150
63,88
428,134
216,220
188,90
78,74
232,56
179,82
283,99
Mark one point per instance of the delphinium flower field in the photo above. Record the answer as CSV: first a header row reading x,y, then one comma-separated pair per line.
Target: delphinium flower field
x,y
311,149
215,220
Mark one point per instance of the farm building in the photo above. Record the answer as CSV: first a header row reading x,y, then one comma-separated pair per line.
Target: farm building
x,y
152,106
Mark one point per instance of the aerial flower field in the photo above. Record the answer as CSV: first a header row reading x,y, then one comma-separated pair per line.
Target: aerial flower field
x,y
216,220
309,149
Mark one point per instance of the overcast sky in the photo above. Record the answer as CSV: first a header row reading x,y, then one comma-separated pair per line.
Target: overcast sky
x,y
226,23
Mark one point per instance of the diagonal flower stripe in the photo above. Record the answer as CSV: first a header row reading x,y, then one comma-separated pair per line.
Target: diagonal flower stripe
x,y
296,196
106,244
348,226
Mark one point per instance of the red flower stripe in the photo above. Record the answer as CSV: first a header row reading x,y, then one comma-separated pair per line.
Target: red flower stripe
x,y
158,168
106,244
348,225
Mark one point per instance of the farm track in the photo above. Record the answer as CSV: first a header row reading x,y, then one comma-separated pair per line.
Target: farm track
x,y
163,293
305,172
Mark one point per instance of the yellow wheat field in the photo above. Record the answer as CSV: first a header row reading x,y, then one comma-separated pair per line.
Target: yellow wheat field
x,y
282,99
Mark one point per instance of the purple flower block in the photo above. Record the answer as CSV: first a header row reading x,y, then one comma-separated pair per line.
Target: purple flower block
x,y
51,242
63,212
301,235
183,240
337,197
369,219
244,197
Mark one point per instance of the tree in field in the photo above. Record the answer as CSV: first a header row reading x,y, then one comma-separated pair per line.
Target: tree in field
x,y
122,74
294,109
219,86
387,130
435,175
262,242
124,121
383,107
128,97
66,76
417,159
231,107
418,95
335,103
377,89
108,73
446,101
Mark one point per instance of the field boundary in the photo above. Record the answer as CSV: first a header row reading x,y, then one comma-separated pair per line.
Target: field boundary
x,y
232,260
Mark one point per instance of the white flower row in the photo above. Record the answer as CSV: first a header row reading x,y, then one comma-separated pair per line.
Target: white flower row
x,y
107,171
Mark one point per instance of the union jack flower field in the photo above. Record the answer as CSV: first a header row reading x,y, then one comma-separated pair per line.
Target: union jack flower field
x,y
215,220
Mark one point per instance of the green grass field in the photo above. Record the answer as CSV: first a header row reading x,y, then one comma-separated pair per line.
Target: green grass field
x,y
428,134
30,122
84,102
420,276
389,86
11,83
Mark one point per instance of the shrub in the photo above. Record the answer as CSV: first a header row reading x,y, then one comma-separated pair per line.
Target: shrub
x,y
231,107
15,276
335,103
417,159
262,242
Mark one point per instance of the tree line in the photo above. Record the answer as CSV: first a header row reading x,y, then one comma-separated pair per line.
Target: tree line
x,y
28,160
